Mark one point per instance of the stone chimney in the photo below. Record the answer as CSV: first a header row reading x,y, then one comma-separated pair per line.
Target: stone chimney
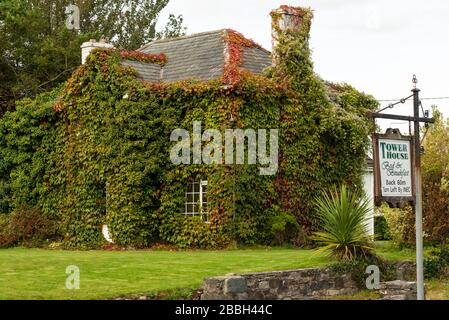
x,y
88,46
289,20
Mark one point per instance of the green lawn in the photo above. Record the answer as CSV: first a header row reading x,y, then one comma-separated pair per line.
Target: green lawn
x,y
40,274
390,251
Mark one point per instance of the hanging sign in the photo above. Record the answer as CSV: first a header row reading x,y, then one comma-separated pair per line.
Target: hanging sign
x,y
393,168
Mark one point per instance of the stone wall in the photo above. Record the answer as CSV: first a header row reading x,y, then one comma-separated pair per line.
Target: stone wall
x,y
302,284
398,290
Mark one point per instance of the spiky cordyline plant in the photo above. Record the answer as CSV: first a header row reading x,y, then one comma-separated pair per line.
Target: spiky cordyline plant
x,y
344,219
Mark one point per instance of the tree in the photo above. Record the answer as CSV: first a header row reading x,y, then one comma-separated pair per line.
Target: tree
x,y
174,27
37,51
435,173
127,23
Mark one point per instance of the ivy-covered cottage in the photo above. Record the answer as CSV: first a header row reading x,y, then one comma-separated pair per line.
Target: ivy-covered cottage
x,y
99,150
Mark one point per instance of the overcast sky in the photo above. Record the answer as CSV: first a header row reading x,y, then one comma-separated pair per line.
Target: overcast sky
x,y
374,45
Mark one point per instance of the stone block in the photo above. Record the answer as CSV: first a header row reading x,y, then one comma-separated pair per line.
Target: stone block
x,y
264,285
235,284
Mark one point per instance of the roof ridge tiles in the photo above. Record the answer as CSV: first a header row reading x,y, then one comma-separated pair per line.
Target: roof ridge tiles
x,y
193,35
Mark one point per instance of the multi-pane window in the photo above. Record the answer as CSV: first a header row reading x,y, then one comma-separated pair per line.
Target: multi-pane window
x,y
196,199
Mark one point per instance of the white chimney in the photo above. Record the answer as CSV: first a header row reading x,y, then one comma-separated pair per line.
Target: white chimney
x,y
87,47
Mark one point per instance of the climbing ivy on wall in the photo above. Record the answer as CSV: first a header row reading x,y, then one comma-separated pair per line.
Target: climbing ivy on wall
x,y
324,129
97,150
26,142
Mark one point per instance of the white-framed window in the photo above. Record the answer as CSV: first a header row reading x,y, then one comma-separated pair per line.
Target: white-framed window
x,y
196,199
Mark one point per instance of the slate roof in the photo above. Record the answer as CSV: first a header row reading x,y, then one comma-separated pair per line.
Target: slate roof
x,y
198,56
147,71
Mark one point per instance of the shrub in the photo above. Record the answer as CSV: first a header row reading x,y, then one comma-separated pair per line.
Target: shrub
x,y
283,227
6,238
27,227
433,267
343,214
381,229
436,265
435,211
435,170
401,223
357,267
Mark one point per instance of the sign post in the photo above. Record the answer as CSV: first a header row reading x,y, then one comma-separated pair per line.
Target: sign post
x,y
418,202
395,182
